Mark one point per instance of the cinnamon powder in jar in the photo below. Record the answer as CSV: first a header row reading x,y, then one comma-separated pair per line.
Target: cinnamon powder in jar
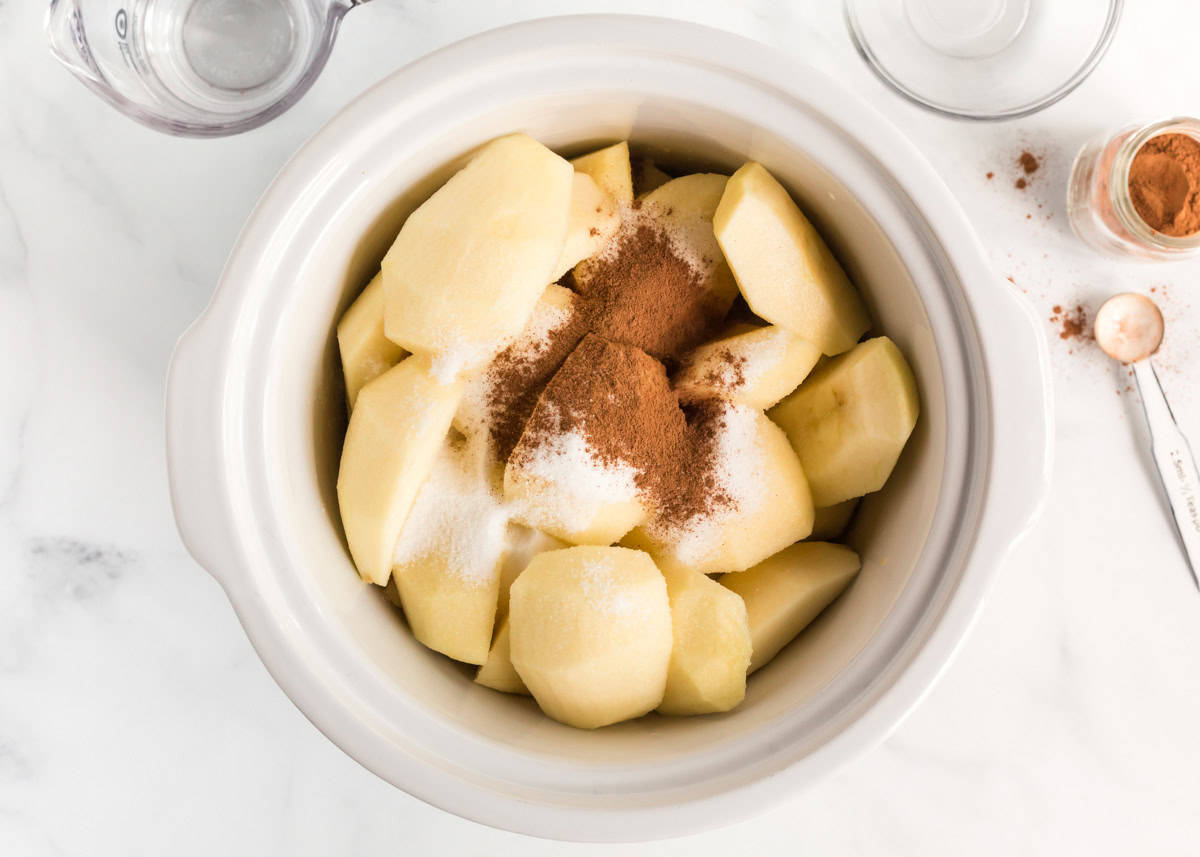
x,y
1137,192
1164,184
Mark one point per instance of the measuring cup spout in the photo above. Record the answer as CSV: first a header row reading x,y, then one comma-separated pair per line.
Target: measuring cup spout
x,y
64,30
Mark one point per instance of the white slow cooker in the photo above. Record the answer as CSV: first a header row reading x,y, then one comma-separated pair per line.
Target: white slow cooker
x,y
255,419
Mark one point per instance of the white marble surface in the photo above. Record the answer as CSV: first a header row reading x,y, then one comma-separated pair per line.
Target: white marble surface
x,y
136,719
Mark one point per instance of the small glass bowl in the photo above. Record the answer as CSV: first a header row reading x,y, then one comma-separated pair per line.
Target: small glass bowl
x,y
982,59
1098,202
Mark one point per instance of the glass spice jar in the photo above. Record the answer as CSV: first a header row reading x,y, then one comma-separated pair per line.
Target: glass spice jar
x,y
1098,199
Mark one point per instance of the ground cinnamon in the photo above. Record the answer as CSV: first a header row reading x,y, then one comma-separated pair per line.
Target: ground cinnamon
x,y
516,379
1164,184
619,398
728,372
1029,164
1072,321
640,292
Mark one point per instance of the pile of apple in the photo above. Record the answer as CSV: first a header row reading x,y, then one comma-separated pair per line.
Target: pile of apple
x,y
598,632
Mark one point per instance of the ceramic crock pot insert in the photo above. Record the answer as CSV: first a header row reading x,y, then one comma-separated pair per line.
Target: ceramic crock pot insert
x,y
255,422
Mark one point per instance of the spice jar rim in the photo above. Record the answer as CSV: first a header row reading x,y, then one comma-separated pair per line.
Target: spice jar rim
x,y
1118,184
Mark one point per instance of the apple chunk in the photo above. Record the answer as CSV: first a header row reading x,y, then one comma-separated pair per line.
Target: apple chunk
x,y
829,522
592,223
685,206
366,353
851,419
497,671
521,546
590,634
765,503
396,429
609,168
785,592
712,645
646,175
784,268
756,366
469,264
447,561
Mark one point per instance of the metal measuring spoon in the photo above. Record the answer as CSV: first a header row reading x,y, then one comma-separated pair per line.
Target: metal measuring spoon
x,y
1129,328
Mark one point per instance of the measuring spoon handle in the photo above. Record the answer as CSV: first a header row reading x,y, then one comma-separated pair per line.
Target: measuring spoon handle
x,y
1176,465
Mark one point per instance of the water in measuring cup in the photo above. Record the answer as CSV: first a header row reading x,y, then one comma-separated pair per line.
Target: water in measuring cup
x,y
238,44
196,67
222,54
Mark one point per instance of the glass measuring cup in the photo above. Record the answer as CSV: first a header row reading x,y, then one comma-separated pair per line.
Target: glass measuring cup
x,y
204,68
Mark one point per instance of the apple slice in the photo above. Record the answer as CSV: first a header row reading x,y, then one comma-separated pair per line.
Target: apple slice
x,y
755,366
366,352
592,224
609,168
497,671
522,545
396,429
447,561
766,503
784,268
469,264
590,634
829,522
851,419
686,206
646,175
784,593
712,645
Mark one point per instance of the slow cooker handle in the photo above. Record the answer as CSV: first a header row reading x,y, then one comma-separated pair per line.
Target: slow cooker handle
x,y
194,472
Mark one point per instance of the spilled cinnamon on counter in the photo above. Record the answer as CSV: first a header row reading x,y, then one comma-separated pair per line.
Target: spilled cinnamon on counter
x,y
1029,164
1164,184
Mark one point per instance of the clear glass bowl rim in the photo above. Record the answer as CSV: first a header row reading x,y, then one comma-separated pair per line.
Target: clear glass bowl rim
x,y
1115,8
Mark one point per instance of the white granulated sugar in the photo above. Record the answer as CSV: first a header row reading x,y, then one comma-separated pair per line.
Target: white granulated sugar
x,y
456,356
688,238
583,484
472,415
740,474
459,517
764,351
599,583
692,238
535,338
